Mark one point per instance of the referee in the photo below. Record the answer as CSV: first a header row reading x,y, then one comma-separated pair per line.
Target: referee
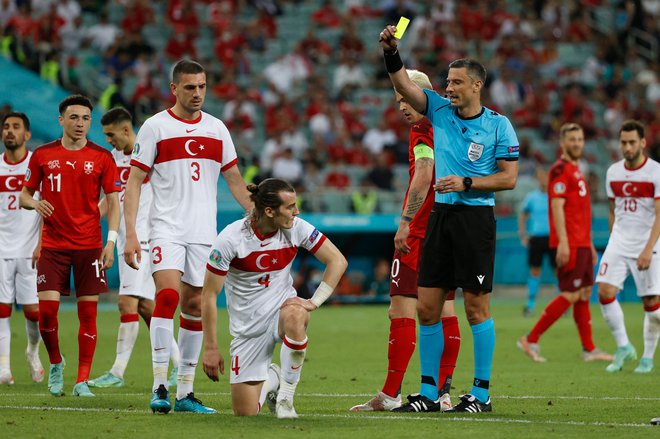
x,y
476,154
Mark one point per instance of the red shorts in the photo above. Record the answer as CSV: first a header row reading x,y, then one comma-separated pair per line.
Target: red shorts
x,y
54,271
405,270
578,273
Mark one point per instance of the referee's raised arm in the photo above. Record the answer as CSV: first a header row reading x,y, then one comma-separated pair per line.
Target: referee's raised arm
x,y
394,65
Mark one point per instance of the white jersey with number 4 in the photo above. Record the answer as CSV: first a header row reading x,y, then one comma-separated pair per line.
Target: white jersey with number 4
x,y
184,159
19,228
634,192
123,162
258,270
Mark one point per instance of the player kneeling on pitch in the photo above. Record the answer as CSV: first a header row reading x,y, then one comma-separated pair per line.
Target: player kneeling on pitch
x,y
252,259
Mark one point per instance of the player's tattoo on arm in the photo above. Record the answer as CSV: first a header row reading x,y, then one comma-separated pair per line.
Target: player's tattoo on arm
x,y
416,197
415,201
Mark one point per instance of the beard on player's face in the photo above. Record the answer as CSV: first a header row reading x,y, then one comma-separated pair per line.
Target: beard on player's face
x,y
632,155
13,143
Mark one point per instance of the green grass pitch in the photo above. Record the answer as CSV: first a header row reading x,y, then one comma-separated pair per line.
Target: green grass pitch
x,y
346,362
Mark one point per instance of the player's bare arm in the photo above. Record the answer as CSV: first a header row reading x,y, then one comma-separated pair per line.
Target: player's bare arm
x,y
563,248
212,361
335,266
644,259
416,196
36,253
133,251
108,254
402,83
237,187
103,207
504,179
27,201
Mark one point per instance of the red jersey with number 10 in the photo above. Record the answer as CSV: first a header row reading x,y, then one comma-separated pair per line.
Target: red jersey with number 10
x,y
72,181
566,181
421,133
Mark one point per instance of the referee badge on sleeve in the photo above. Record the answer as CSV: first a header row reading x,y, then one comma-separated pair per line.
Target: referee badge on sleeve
x,y
474,151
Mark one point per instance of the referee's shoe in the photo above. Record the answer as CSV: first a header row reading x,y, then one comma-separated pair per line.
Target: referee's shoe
x,y
470,404
418,403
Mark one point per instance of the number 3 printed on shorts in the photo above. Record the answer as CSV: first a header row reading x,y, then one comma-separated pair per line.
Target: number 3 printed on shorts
x,y
157,255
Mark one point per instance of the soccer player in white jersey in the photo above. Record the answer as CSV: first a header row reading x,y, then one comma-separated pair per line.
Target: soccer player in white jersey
x,y
252,259
137,289
19,248
183,150
633,187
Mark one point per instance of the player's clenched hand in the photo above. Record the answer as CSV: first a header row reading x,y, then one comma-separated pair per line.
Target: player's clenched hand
x,y
213,363
401,238
450,183
108,255
563,254
644,259
387,40
44,208
309,306
132,252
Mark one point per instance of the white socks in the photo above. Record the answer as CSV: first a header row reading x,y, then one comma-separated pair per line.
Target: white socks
x,y
161,333
292,357
126,337
5,343
613,315
651,332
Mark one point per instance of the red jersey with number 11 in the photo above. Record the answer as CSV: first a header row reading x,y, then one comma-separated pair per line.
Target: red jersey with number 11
x,y
72,181
566,181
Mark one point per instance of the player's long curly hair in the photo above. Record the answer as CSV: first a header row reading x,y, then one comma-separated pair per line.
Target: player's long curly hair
x,y
266,194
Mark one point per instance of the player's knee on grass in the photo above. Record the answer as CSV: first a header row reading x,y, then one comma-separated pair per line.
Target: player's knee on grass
x,y
245,398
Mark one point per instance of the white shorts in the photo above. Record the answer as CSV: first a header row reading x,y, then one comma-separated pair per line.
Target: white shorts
x,y
251,357
614,269
18,281
137,283
189,259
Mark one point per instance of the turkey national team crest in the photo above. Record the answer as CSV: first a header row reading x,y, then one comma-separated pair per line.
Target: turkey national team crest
x,y
475,151
89,167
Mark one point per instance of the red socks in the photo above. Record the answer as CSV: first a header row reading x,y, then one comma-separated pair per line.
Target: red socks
x,y
87,336
551,313
452,335
48,328
582,317
401,347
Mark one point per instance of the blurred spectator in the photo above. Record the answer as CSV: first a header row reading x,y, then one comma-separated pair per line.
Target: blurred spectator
x,y
381,175
103,34
287,167
349,76
138,14
378,284
7,10
180,45
364,199
400,8
72,36
68,10
336,178
377,137
327,15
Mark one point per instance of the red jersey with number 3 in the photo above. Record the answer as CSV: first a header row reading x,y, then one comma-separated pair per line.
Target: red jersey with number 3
x,y
566,181
421,134
71,181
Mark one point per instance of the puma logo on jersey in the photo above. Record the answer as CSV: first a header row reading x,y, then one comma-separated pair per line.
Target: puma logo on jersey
x,y
480,278
72,164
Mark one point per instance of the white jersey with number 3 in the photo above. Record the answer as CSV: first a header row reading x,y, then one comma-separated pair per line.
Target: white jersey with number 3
x,y
19,228
258,270
184,159
123,162
634,192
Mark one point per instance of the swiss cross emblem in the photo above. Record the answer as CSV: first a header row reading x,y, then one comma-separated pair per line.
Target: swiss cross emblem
x,y
89,167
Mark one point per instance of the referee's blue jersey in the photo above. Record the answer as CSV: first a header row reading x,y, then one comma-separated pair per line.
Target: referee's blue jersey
x,y
468,147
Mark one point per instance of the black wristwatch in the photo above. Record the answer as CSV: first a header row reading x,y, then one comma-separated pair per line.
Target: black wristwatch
x,y
467,182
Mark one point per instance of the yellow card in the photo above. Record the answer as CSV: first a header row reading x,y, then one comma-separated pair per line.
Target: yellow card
x,y
401,27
